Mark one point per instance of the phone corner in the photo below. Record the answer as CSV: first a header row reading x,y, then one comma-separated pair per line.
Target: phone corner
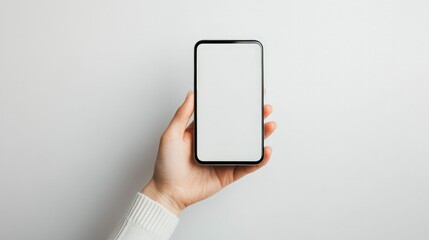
x,y
261,159
198,43
258,43
198,160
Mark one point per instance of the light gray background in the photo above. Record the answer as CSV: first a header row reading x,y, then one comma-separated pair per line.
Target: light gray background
x,y
88,86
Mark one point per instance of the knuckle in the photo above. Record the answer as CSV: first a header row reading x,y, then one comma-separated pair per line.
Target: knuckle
x,y
164,136
178,113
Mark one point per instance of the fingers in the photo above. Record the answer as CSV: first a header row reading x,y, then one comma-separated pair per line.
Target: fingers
x,y
182,115
268,109
241,171
269,127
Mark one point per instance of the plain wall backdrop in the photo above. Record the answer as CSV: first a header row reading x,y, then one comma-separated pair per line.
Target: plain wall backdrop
x,y
88,86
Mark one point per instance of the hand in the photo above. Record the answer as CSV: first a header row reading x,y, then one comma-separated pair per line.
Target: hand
x,y
178,181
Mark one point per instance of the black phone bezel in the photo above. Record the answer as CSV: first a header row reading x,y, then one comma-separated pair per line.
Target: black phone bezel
x,y
256,162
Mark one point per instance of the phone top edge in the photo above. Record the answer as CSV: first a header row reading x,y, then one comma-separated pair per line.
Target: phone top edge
x,y
246,41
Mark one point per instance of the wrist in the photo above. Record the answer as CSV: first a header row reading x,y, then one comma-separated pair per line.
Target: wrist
x,y
152,191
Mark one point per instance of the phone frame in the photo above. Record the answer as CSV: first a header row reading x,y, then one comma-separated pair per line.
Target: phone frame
x,y
256,162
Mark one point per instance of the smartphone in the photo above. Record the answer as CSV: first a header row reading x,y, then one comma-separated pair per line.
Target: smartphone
x,y
229,102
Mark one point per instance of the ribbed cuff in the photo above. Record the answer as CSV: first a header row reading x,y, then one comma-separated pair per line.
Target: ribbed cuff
x,y
149,215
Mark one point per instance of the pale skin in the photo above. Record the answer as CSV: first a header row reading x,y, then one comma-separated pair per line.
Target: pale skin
x,y
178,181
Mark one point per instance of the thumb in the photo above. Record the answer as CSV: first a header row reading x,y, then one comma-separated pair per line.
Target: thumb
x,y
183,114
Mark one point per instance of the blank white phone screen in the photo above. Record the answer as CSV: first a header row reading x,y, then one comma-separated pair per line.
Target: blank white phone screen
x,y
229,102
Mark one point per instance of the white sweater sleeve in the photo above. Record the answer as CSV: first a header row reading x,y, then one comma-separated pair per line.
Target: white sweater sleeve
x,y
145,219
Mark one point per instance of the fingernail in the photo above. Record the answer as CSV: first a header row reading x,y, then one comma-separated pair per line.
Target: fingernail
x,y
189,93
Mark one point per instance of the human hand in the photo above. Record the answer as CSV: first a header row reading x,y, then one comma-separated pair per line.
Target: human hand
x,y
178,181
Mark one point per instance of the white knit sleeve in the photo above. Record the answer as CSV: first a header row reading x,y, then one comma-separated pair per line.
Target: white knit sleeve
x,y
145,219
